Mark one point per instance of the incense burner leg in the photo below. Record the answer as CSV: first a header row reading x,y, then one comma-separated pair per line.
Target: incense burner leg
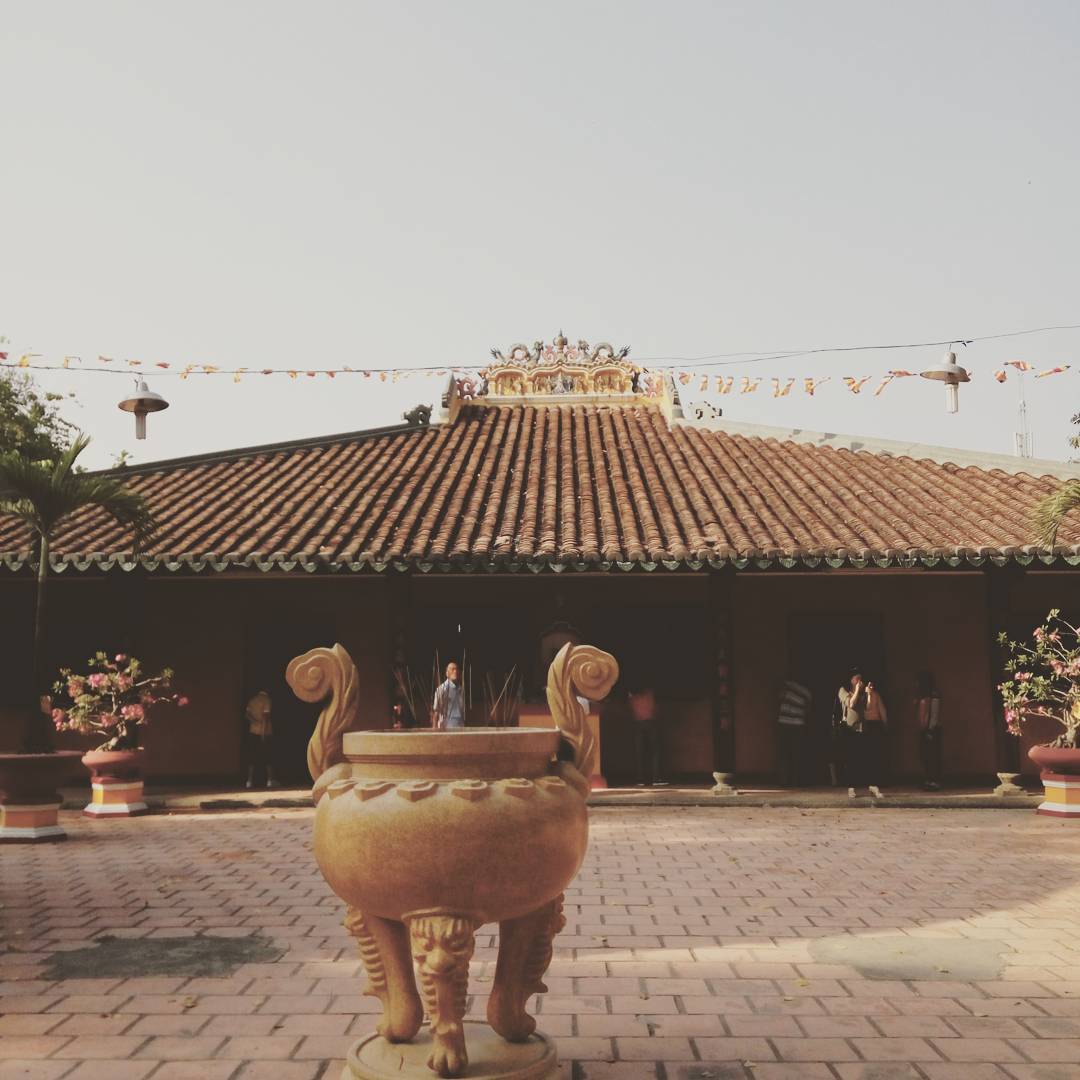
x,y
384,949
442,945
525,946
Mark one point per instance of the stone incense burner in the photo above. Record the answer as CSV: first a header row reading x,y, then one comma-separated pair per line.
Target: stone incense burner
x,y
428,835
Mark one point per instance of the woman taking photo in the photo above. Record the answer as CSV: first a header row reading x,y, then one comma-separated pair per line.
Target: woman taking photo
x,y
865,716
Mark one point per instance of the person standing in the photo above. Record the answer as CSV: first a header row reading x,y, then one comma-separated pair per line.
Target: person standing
x,y
448,709
642,703
866,717
791,730
928,712
259,738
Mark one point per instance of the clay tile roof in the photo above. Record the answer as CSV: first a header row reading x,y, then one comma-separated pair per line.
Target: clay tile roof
x,y
564,485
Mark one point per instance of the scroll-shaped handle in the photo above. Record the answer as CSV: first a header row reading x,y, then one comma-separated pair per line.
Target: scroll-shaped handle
x,y
592,672
314,676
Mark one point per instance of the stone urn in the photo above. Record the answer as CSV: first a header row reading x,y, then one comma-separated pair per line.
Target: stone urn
x,y
116,783
428,835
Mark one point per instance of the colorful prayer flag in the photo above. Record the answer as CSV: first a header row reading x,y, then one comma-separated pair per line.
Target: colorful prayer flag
x,y
856,384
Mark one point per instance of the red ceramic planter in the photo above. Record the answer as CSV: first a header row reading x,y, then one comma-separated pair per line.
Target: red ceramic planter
x,y
1056,759
114,764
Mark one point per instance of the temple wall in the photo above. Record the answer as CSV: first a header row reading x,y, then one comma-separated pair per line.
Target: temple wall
x,y
929,622
223,636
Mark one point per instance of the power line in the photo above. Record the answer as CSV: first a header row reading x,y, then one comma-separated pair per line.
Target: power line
x,y
129,368
721,359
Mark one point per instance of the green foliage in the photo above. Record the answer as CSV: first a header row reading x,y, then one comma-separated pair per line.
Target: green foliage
x,y
30,421
1052,511
44,493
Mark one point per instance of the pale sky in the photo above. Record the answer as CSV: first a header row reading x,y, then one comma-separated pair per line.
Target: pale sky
x,y
320,184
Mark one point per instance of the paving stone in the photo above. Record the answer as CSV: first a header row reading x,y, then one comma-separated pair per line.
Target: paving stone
x,y
1044,1072
29,1069
197,1070
673,953
28,1023
31,1046
112,1070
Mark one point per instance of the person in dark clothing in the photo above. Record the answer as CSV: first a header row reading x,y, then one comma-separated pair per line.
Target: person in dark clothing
x,y
866,717
642,703
928,712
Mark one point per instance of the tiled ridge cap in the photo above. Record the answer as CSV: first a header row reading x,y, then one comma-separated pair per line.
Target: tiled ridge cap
x,y
943,455
311,562
213,457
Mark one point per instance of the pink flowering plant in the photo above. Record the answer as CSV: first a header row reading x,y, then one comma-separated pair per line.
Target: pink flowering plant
x,y
1044,678
113,699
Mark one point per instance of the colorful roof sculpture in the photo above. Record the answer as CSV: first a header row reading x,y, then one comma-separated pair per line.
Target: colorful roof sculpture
x,y
590,480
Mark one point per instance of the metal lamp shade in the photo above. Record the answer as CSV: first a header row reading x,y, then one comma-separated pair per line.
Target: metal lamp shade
x,y
952,375
143,401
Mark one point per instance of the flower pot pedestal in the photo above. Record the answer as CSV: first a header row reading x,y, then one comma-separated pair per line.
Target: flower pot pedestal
x,y
116,784
1062,795
1061,780
29,803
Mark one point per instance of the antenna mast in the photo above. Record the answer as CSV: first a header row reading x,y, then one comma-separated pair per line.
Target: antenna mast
x,y
1023,433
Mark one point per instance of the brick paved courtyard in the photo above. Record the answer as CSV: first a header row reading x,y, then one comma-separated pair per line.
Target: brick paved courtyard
x,y
701,944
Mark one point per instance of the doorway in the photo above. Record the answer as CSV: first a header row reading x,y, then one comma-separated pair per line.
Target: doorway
x,y
822,649
269,646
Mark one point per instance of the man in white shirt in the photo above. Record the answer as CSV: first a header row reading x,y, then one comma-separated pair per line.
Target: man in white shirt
x,y
448,709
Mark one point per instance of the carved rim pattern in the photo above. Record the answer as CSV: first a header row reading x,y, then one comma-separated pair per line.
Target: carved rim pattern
x,y
471,790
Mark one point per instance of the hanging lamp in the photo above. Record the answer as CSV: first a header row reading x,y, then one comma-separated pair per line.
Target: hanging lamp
x,y
141,402
952,375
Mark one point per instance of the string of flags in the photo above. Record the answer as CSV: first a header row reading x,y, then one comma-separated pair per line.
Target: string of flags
x,y
780,386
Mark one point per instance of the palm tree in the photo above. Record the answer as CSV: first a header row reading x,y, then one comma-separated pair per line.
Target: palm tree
x,y
1050,513
44,495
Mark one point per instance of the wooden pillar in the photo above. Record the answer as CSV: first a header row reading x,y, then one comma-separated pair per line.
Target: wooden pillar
x,y
1000,581
400,610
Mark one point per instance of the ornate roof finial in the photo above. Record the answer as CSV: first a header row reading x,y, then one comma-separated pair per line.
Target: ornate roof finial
x,y
562,370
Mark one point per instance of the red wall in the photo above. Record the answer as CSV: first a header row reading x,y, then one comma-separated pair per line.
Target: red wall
x,y
211,630
937,622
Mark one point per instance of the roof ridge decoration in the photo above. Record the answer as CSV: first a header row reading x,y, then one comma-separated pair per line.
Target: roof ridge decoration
x,y
562,369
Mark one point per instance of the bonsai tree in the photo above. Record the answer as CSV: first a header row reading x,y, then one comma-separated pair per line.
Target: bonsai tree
x,y
1044,679
45,494
112,700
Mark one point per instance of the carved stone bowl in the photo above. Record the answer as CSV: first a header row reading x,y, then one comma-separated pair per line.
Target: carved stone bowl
x,y
466,821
